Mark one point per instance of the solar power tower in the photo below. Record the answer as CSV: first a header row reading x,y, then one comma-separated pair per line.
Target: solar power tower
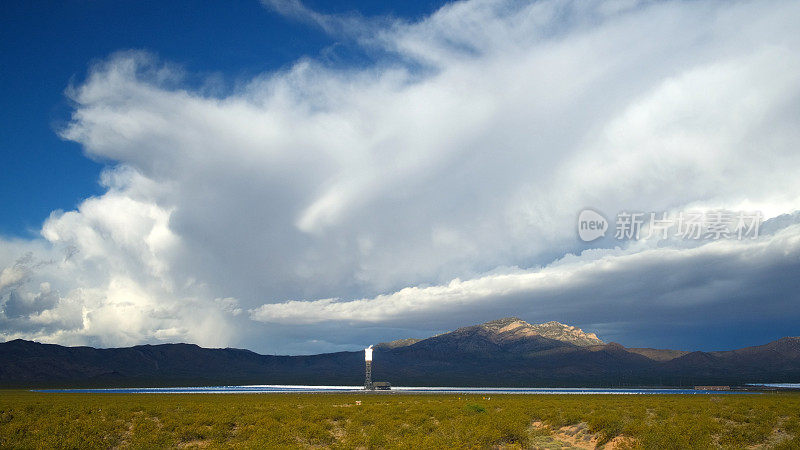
x,y
368,362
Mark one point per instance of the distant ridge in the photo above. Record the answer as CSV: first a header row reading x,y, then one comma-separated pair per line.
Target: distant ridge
x,y
504,352
511,329
398,343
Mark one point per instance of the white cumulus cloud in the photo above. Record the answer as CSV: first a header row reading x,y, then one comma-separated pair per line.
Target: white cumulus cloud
x,y
400,192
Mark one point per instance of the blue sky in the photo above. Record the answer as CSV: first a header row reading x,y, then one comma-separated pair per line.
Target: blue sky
x,y
45,46
299,177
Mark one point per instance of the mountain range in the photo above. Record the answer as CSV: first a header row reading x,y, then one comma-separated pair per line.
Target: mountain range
x,y
507,352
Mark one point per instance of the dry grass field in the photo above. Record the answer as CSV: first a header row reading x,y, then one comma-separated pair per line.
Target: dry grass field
x,y
47,420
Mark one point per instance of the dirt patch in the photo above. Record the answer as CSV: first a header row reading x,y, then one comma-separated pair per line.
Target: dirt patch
x,y
575,437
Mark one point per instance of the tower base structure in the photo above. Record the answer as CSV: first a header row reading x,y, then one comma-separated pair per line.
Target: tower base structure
x,y
368,381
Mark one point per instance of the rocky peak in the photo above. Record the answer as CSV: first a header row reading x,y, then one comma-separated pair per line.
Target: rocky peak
x,y
505,331
515,328
504,324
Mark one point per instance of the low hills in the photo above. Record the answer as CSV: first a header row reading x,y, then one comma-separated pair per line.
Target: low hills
x,y
505,352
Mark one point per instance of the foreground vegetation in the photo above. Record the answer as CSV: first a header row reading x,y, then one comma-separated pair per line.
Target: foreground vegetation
x,y
38,420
